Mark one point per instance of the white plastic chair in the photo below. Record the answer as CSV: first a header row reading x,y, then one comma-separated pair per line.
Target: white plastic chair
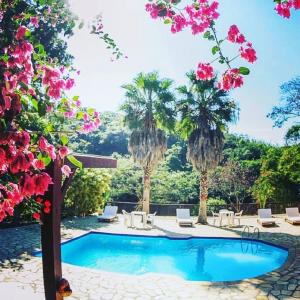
x,y
216,217
127,218
150,218
238,217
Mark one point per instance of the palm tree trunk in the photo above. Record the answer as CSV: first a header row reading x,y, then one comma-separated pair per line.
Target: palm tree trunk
x,y
203,195
146,191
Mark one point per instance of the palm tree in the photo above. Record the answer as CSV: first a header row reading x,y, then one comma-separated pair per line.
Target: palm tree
x,y
204,112
149,109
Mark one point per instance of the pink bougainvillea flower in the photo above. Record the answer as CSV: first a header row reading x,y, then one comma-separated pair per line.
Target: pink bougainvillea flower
x,y
38,164
41,183
283,9
66,170
248,53
296,4
69,83
19,163
43,144
39,200
63,152
179,22
22,140
231,79
27,186
69,114
47,203
235,36
204,72
34,21
152,9
47,210
8,207
36,216
21,32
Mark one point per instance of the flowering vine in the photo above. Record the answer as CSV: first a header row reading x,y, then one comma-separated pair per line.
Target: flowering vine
x,y
33,83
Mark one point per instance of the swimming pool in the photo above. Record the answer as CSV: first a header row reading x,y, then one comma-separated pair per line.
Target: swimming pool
x,y
195,259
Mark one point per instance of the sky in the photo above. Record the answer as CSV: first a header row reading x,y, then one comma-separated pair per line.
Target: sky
x,y
150,46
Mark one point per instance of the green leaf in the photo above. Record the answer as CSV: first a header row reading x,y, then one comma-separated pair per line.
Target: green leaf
x,y
74,161
90,111
167,21
75,98
35,104
42,109
215,49
46,160
64,139
206,35
244,71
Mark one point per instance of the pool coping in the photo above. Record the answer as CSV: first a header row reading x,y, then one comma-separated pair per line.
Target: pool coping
x,y
289,260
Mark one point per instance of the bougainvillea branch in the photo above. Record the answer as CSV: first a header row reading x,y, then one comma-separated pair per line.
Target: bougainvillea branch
x,y
200,16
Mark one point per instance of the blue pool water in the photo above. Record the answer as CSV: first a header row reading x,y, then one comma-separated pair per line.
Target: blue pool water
x,y
205,259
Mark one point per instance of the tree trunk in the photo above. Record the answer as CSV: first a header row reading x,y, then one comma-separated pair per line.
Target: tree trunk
x,y
203,195
146,191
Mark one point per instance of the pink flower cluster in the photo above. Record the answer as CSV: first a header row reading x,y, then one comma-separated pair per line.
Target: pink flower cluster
x,y
19,69
91,123
52,79
284,8
234,36
197,16
204,72
201,15
231,79
16,158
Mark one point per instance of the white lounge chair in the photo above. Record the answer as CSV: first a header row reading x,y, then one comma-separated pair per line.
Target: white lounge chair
x,y
109,214
265,217
293,215
150,218
238,217
183,217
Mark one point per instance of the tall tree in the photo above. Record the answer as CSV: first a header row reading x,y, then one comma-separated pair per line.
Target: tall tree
x,y
149,109
289,109
204,111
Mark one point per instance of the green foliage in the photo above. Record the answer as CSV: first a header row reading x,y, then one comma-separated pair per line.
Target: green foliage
x,y
293,135
111,137
233,182
167,186
279,178
214,204
126,182
174,186
89,191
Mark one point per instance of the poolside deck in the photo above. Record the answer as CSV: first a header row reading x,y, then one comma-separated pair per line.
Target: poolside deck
x,y
21,274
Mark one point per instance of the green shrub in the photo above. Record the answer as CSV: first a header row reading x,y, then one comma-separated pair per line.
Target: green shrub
x,y
215,204
89,191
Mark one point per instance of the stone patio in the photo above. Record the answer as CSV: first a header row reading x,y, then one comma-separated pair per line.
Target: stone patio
x,y
21,273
